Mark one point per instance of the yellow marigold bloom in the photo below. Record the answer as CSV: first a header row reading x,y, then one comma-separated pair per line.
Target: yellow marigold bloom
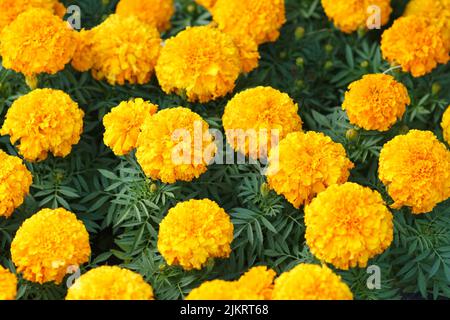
x,y
37,42
123,124
445,124
8,285
222,290
376,102
121,49
258,280
258,20
255,118
311,282
304,164
201,62
437,11
348,224
15,182
43,121
11,9
415,44
48,243
110,283
208,4
193,232
156,13
415,168
175,145
256,284
350,15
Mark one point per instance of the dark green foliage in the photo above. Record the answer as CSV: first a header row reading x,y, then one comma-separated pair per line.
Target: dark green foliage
x,y
122,208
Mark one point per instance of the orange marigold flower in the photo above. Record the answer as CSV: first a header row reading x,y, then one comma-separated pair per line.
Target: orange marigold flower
x,y
376,102
437,11
121,49
208,4
415,44
201,62
15,182
110,283
310,282
43,121
252,115
193,232
37,42
11,9
258,280
8,284
350,15
156,13
445,124
168,148
415,168
304,164
48,243
123,124
348,224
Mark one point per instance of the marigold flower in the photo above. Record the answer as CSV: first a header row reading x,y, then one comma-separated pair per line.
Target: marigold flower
x,y
208,4
8,284
376,102
44,120
304,164
436,11
175,145
110,283
221,290
252,115
350,15
48,243
348,224
445,124
193,232
201,62
310,282
255,19
415,44
415,168
121,49
256,284
156,13
258,280
15,182
123,124
37,42
11,9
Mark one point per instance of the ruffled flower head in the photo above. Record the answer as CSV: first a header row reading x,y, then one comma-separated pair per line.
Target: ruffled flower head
x,y
37,42
253,115
208,4
415,44
175,145
123,124
415,168
8,285
376,102
110,283
200,62
119,50
156,13
48,244
348,224
350,15
43,121
310,282
15,182
445,124
304,164
193,232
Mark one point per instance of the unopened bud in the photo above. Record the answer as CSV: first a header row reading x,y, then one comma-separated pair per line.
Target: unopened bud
x,y
435,88
299,33
264,189
351,134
